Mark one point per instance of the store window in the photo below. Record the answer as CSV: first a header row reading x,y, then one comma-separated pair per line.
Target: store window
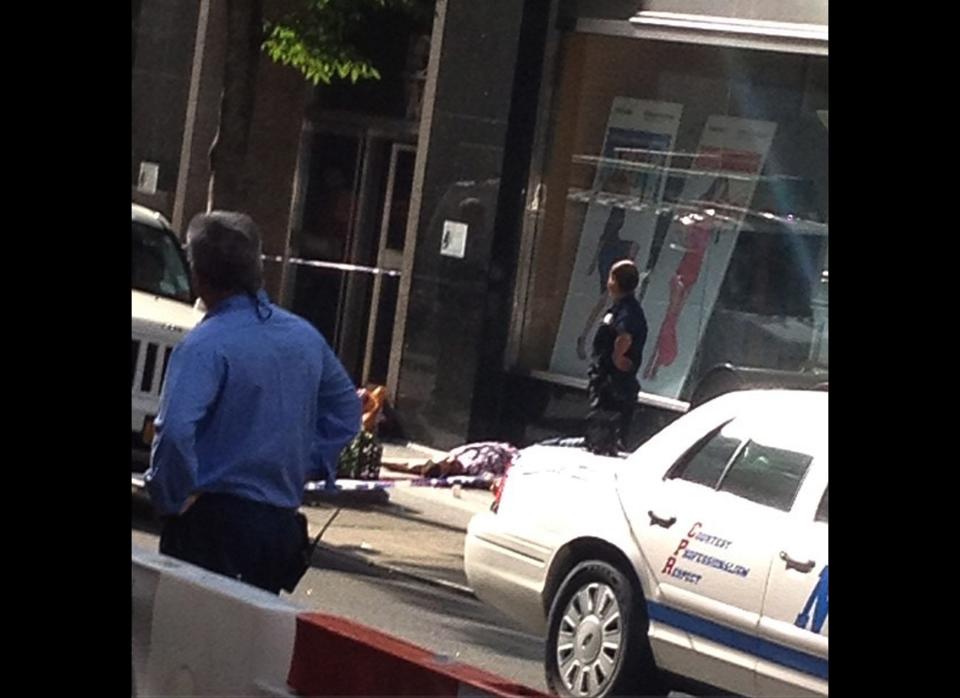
x,y
707,166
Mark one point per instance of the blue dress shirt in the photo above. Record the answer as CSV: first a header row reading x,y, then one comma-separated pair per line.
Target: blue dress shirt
x,y
254,404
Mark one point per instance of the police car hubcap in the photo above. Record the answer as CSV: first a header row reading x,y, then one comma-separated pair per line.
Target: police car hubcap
x,y
589,640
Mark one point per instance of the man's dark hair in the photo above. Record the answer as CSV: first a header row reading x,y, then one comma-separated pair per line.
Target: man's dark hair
x,y
626,275
224,250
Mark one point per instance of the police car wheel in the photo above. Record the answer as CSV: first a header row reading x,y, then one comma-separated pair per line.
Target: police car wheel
x,y
597,636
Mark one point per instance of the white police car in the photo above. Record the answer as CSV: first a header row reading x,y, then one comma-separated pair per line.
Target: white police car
x,y
702,555
161,313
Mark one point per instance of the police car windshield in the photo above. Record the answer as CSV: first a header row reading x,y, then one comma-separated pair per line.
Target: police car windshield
x,y
157,264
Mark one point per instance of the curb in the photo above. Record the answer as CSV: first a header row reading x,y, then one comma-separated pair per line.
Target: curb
x,y
364,499
391,448
346,497
396,571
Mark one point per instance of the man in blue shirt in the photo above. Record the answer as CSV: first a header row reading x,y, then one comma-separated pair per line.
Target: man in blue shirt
x,y
254,403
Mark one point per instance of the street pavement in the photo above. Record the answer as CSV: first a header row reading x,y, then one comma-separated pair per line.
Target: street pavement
x,y
415,532
404,525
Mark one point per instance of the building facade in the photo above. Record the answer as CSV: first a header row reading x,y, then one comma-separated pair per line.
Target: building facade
x,y
450,229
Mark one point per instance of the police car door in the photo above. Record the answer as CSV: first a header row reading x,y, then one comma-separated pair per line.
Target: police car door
x,y
794,626
709,551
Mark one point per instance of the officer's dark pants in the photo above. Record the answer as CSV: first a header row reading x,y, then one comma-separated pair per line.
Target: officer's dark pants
x,y
607,428
254,542
608,420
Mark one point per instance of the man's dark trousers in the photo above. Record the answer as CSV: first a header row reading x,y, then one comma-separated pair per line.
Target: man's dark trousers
x,y
251,541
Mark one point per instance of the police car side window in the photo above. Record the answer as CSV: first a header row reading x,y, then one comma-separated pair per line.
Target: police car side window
x,y
767,475
705,462
822,509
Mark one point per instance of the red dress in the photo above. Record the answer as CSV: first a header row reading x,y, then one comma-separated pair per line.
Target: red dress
x,y
688,271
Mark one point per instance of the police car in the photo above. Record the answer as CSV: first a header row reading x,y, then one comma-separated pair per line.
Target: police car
x,y
161,313
702,555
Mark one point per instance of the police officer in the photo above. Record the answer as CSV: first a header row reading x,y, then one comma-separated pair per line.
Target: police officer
x,y
617,353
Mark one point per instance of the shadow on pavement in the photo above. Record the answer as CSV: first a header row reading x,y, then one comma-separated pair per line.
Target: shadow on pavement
x,y
411,514
484,626
504,641
327,558
346,498
387,509
441,572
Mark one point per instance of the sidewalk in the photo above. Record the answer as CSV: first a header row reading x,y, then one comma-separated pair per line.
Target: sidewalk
x,y
399,522
418,531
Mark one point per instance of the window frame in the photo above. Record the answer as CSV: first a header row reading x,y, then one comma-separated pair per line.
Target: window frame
x,y
676,470
684,460
810,459
824,505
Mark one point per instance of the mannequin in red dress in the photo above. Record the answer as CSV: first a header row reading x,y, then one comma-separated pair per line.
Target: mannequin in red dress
x,y
696,240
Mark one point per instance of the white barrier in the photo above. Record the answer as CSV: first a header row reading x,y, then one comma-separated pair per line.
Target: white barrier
x,y
196,633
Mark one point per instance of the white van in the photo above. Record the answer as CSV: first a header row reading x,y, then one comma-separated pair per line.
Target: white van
x,y
162,312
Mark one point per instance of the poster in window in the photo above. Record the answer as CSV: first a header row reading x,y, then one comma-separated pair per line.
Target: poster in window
x,y
685,279
620,218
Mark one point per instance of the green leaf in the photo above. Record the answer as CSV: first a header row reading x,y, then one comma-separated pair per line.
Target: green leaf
x,y
314,38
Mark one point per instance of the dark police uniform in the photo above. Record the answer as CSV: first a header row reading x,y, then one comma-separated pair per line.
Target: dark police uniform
x,y
612,392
